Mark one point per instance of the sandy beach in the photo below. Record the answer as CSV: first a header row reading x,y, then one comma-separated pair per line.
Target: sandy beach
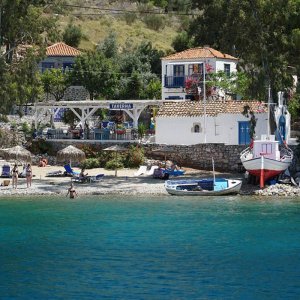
x,y
125,183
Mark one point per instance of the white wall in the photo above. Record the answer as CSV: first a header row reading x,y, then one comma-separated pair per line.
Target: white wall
x,y
220,129
168,66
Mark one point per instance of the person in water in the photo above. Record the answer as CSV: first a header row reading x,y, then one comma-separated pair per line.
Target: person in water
x,y
28,175
15,175
72,192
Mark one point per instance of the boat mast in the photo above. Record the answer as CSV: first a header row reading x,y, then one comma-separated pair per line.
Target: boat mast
x,y
204,100
269,108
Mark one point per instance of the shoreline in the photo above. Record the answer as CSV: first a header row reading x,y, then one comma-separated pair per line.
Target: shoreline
x,y
126,184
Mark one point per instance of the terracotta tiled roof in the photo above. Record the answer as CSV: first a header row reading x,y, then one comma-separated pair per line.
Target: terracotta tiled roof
x,y
61,49
199,52
213,108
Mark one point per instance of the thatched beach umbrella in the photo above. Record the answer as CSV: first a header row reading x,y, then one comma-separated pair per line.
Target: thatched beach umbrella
x,y
17,153
70,153
116,148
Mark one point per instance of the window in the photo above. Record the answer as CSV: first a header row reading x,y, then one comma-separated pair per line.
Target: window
x,y
67,66
47,65
197,128
178,70
266,148
195,69
227,69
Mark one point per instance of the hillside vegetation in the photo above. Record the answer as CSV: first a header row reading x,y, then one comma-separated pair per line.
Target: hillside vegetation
x,y
126,19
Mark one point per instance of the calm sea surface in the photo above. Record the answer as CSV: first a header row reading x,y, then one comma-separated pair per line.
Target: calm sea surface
x,y
149,248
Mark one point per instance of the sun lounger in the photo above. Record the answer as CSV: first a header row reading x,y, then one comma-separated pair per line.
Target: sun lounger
x,y
174,172
86,179
5,171
96,178
70,171
54,174
142,170
151,171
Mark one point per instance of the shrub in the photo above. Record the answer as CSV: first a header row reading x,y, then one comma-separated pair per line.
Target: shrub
x,y
130,18
41,146
90,163
154,22
114,164
135,157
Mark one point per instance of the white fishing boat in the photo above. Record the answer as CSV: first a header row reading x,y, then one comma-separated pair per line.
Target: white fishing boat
x,y
265,159
203,187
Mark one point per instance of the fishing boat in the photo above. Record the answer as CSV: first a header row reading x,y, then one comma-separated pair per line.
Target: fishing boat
x,y
265,159
203,187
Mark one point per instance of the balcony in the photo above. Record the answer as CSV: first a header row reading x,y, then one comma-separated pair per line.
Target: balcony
x,y
179,81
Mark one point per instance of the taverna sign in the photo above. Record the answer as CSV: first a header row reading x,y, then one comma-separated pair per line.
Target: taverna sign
x,y
118,106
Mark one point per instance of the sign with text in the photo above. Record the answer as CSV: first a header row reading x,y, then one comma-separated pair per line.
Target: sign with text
x,y
118,106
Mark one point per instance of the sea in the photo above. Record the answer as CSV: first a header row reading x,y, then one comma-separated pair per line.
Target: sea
x,y
146,247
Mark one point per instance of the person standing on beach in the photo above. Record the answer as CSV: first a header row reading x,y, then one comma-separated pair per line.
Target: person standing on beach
x,y
28,175
72,192
15,175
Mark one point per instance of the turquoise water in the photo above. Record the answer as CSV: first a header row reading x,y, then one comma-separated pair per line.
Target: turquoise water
x,y
149,248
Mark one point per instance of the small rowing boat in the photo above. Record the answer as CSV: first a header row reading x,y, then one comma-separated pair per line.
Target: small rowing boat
x,y
203,187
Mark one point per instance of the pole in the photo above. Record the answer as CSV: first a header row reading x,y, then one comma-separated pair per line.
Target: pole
x,y
269,108
213,165
204,100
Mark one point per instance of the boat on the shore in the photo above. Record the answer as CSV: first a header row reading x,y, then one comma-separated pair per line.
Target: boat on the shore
x,y
265,159
203,187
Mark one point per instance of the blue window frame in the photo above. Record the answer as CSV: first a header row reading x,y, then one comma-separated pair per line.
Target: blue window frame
x,y
47,65
67,66
227,69
244,133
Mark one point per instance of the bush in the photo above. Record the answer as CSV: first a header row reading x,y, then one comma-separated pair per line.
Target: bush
x,y
90,163
114,164
41,146
135,157
130,18
154,22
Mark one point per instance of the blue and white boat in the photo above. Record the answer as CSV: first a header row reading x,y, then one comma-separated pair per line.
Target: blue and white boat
x,y
203,187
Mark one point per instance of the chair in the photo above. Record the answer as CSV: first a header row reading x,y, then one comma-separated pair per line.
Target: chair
x,y
141,170
175,172
5,171
70,171
96,178
151,171
54,174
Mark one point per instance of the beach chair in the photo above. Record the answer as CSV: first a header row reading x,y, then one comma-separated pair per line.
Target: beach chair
x,y
54,174
69,171
151,171
142,170
5,171
174,172
96,178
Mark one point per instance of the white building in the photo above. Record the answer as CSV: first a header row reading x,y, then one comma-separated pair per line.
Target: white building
x,y
182,66
183,122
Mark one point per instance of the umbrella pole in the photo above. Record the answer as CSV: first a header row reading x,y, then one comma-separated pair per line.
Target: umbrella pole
x,y
71,163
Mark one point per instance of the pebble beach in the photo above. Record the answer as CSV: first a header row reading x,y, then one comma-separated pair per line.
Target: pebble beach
x,y
126,182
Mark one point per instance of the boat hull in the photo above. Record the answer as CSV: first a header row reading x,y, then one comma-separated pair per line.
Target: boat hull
x,y
184,188
269,168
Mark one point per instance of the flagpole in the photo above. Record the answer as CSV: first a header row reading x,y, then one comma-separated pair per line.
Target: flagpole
x,y
204,100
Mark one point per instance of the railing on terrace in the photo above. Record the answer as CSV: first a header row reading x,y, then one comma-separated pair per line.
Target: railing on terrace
x,y
95,134
179,81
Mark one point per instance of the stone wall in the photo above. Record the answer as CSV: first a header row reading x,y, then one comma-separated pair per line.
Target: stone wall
x,y
226,157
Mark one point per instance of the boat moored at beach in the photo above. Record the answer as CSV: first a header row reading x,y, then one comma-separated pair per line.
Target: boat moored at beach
x,y
265,159
203,187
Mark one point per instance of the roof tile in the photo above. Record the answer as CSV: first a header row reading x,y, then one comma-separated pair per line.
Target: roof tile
x,y
61,49
213,108
199,52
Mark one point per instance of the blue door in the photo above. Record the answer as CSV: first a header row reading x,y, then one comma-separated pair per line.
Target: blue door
x,y
244,136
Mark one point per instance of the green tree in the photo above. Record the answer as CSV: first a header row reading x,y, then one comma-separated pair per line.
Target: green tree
x,y
72,35
96,73
263,33
55,83
109,46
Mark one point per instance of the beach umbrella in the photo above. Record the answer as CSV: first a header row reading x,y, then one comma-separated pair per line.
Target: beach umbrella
x,y
116,149
70,153
17,153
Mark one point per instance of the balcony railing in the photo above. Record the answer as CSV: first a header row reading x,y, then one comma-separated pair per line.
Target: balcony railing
x,y
179,81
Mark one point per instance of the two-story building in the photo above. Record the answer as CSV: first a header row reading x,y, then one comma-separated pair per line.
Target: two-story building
x,y
189,64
